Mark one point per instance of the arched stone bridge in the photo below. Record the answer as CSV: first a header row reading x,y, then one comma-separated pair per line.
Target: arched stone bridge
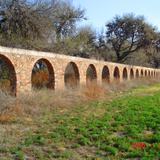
x,y
21,62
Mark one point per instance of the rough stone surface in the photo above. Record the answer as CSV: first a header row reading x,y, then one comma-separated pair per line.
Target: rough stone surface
x,y
24,60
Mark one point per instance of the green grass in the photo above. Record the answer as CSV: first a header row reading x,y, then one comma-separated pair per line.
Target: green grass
x,y
100,130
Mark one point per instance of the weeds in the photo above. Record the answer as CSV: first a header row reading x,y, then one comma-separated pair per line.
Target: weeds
x,y
50,125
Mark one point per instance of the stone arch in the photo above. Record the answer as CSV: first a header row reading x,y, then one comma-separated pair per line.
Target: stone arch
x,y
71,75
137,73
149,73
131,74
125,74
116,74
105,75
91,75
141,72
43,75
154,73
8,78
145,73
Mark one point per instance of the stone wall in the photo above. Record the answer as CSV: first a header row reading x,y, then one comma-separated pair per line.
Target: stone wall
x,y
24,60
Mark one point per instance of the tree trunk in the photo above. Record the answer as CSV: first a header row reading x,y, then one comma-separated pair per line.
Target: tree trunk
x,y
118,57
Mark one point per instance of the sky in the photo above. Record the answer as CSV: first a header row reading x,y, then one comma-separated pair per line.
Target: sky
x,y
99,12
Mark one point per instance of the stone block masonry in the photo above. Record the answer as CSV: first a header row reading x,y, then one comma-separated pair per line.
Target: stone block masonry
x,y
22,62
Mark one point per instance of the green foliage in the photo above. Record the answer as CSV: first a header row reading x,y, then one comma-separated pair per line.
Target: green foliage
x,y
23,19
52,26
96,130
65,18
128,34
80,44
37,24
19,155
35,139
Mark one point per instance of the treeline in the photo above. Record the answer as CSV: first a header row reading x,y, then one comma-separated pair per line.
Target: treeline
x,y
51,25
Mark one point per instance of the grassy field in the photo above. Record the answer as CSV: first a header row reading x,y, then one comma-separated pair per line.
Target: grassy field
x,y
124,125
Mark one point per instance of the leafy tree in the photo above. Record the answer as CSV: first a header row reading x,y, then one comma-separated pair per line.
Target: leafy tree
x,y
153,53
103,50
139,58
80,44
23,19
36,24
85,39
65,19
128,34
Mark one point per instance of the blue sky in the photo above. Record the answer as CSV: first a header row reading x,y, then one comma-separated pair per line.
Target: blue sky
x,y
99,12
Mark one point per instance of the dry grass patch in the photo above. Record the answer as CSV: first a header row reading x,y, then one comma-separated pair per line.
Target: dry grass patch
x,y
44,100
93,91
83,123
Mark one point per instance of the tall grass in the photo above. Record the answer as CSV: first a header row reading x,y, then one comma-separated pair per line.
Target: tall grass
x,y
39,101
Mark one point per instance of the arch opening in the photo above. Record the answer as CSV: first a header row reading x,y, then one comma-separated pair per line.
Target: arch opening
x,y
105,75
91,75
125,74
137,73
43,75
141,72
145,73
8,79
131,74
71,76
116,74
149,74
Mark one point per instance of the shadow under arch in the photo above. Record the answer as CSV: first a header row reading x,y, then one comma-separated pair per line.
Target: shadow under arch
x,y
91,75
141,72
116,74
43,75
105,75
8,79
137,73
131,74
125,74
71,76
145,73
149,73
154,73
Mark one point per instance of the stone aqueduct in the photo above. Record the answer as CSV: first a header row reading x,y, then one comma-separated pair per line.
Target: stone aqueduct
x,y
22,63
